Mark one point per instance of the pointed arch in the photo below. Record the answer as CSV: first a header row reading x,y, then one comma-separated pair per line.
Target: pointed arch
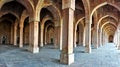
x,y
101,5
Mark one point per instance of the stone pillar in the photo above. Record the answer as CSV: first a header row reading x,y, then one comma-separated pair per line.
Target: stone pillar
x,y
74,39
15,33
104,38
45,36
12,33
33,37
88,37
118,39
41,35
80,35
61,35
84,37
67,55
21,37
100,37
56,36
96,36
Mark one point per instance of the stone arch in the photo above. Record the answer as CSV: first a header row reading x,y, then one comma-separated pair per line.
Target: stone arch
x,y
22,27
7,19
86,7
75,28
26,28
42,24
100,5
45,19
6,25
98,24
56,14
23,17
54,10
107,29
110,30
109,23
46,42
26,3
99,21
7,12
39,7
79,22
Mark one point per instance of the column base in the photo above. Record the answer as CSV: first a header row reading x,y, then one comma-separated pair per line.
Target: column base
x,y
96,47
33,50
20,46
67,58
87,49
75,45
84,45
118,47
15,44
41,45
60,47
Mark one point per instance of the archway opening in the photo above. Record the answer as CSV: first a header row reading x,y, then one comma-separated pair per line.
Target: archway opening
x,y
110,39
26,32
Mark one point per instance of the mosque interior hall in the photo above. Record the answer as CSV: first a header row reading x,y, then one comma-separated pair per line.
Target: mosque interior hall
x,y
59,33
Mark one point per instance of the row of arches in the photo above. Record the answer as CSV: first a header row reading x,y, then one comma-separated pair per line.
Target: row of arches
x,y
65,24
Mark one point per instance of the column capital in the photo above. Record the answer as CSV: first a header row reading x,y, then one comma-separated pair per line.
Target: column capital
x,y
33,20
57,26
68,4
21,26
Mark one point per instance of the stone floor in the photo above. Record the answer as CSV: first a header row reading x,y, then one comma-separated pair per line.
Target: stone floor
x,y
106,56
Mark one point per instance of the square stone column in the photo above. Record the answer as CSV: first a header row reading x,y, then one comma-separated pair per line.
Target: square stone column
x,y
56,36
15,33
12,33
100,37
74,40
61,35
33,36
21,25
84,37
21,37
67,55
80,42
88,37
104,38
41,35
96,36
118,39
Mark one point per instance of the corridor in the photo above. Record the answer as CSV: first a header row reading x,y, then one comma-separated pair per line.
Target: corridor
x,y
105,56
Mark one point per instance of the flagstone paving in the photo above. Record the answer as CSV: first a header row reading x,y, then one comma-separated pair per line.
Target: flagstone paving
x,y
105,56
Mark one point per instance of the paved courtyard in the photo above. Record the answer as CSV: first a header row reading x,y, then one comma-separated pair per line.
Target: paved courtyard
x,y
105,56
